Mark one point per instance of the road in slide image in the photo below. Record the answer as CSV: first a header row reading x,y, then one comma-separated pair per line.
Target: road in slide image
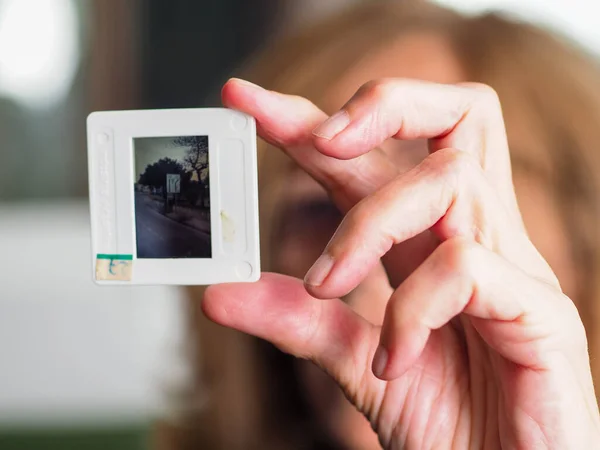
x,y
161,237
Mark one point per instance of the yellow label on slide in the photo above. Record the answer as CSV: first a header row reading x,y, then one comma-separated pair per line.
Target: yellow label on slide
x,y
113,268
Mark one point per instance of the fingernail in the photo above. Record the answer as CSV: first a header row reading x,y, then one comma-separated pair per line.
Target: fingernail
x,y
248,83
333,126
319,271
380,361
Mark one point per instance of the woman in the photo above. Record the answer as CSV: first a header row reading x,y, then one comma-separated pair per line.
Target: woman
x,y
478,345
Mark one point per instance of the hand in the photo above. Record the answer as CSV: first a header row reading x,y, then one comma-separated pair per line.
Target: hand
x,y
479,348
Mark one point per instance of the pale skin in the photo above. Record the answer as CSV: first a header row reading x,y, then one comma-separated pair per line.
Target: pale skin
x,y
304,205
478,347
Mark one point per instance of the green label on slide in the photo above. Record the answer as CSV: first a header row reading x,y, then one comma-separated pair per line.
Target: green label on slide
x,y
115,257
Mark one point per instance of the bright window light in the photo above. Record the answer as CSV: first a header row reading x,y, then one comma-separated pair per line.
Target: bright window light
x,y
39,50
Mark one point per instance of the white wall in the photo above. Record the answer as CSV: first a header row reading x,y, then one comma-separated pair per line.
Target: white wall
x,y
71,351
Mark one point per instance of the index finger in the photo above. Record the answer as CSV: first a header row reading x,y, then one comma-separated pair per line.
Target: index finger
x,y
343,153
287,122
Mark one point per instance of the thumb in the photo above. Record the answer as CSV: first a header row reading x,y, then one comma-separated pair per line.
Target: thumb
x,y
278,309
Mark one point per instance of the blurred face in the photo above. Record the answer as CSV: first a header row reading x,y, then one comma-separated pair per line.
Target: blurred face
x,y
307,219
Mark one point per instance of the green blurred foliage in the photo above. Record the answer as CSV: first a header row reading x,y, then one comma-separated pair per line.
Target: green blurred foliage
x,y
126,438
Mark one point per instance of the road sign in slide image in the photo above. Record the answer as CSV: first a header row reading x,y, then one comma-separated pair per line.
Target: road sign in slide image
x,y
173,183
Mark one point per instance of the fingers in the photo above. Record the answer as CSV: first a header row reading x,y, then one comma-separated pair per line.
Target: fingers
x,y
380,109
283,120
467,117
448,193
287,122
278,308
523,319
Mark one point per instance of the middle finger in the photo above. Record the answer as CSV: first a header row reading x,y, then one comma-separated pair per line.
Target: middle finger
x,y
447,193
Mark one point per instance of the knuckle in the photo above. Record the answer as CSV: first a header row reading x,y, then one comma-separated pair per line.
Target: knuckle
x,y
378,89
302,104
367,226
458,255
483,90
453,164
359,217
485,96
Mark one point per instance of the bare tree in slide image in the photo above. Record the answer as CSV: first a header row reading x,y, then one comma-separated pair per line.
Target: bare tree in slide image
x,y
197,154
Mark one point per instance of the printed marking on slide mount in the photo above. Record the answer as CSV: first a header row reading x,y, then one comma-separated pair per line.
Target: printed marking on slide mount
x,y
114,267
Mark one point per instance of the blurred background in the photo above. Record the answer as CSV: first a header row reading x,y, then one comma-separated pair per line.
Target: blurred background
x,y
83,367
